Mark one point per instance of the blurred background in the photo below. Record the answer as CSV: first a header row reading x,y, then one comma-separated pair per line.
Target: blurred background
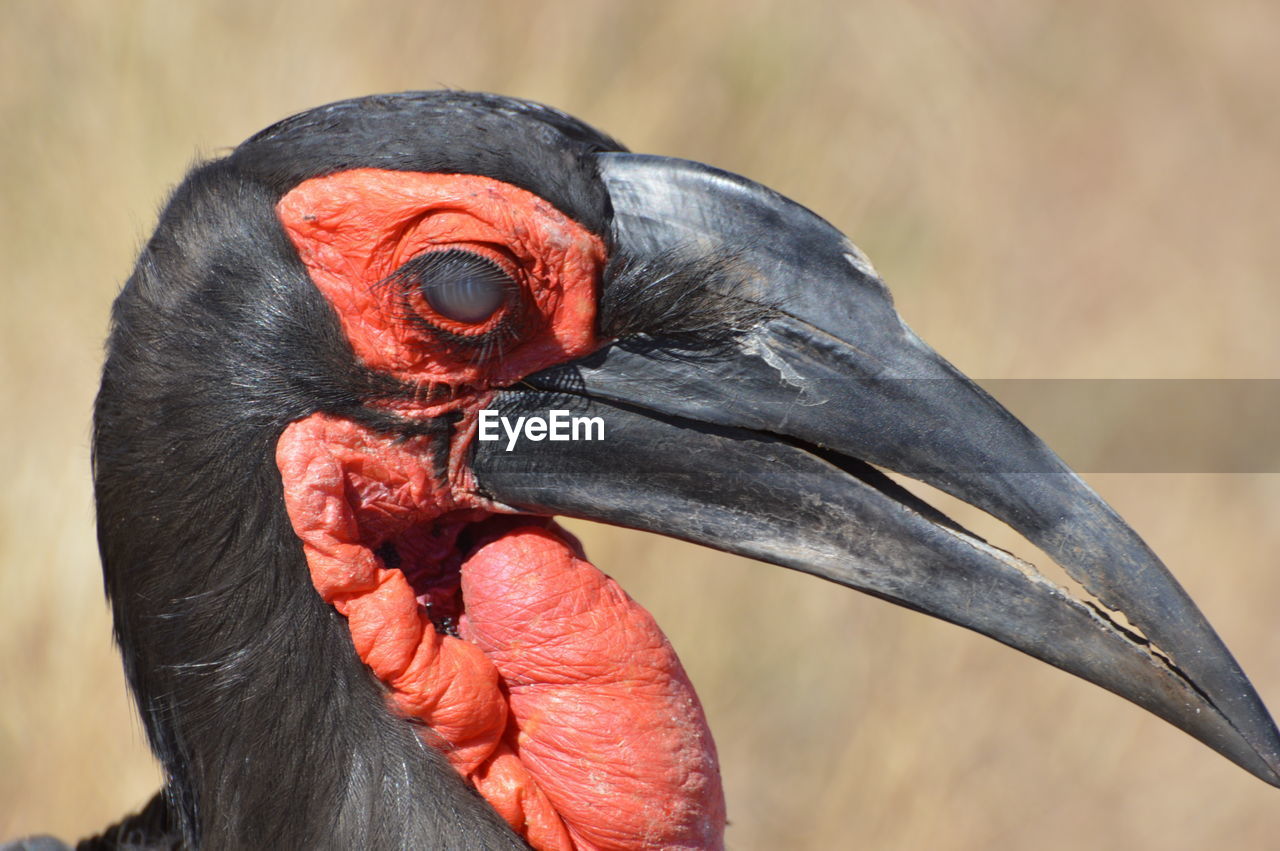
x,y
1051,189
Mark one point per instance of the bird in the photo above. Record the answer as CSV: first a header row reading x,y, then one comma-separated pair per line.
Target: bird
x,y
371,353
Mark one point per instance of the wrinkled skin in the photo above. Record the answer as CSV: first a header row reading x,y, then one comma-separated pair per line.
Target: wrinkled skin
x,y
557,692
547,687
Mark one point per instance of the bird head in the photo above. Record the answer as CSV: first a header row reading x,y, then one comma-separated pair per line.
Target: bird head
x,y
367,354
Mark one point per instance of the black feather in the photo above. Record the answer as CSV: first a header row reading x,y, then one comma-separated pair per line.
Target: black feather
x,y
526,144
682,302
271,731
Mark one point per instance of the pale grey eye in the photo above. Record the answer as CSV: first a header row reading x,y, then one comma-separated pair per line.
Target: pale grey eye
x,y
461,286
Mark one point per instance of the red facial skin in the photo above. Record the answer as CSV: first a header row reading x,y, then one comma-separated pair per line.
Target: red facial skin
x,y
559,698
355,228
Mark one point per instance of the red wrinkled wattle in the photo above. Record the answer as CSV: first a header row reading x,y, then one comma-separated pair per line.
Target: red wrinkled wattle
x,y
562,701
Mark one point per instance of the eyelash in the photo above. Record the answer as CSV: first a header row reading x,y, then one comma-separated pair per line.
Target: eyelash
x,y
504,328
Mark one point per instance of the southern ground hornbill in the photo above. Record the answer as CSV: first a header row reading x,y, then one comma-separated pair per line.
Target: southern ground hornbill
x,y
347,619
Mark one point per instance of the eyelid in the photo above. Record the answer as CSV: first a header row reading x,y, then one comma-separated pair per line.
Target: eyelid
x,y
462,286
493,335
415,278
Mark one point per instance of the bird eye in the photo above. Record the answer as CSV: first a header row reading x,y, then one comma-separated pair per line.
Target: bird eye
x,y
460,285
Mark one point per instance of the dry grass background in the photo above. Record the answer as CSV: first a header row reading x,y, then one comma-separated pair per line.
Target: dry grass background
x,y
1052,189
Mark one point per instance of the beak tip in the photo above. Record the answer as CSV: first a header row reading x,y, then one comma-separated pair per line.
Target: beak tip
x,y
1262,759
1272,763
1270,774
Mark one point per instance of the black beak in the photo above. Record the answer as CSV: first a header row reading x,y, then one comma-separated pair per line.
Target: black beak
x,y
765,448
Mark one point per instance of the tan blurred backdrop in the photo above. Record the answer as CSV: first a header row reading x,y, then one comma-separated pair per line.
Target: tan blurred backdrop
x,y
1070,189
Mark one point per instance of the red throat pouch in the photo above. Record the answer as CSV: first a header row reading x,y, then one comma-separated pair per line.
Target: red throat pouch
x,y
554,693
